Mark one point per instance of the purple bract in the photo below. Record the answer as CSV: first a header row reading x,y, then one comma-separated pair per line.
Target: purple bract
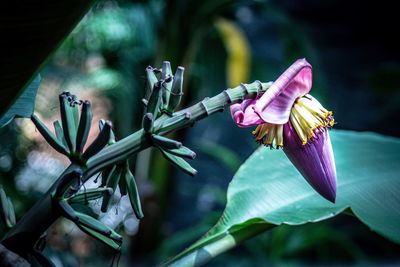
x,y
287,117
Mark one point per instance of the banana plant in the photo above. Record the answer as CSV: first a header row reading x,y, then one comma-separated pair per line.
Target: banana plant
x,y
108,157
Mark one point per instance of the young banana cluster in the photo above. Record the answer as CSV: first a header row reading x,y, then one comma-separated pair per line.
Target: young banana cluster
x,y
117,175
7,213
69,139
72,133
121,176
163,94
88,224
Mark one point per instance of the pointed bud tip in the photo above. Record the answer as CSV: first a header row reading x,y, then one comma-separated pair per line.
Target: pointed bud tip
x,y
330,196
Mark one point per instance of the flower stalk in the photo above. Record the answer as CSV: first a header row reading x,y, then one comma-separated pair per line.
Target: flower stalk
x,y
187,117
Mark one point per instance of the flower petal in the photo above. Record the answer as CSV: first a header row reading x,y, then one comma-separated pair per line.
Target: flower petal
x,y
274,106
243,114
315,160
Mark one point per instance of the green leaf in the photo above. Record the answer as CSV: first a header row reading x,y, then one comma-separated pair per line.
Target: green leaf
x,y
30,37
268,191
25,104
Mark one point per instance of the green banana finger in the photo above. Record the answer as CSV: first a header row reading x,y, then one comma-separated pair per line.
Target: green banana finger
x,y
93,224
105,175
74,103
151,81
84,126
165,142
98,226
112,135
68,120
182,152
176,90
179,163
83,220
133,193
67,211
167,83
166,70
115,236
59,133
90,194
100,142
49,136
112,181
154,103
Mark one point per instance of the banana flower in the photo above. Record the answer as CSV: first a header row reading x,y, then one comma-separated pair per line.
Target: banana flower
x,y
288,117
